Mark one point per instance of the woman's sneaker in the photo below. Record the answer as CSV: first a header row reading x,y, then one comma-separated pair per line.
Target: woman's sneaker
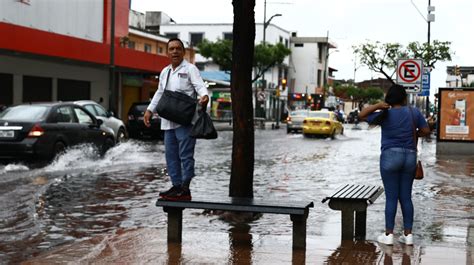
x,y
406,239
385,239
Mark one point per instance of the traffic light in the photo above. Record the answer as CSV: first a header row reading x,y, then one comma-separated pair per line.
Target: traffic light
x,y
457,71
283,84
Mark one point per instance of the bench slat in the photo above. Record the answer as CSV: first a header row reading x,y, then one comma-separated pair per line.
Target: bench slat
x,y
356,192
241,205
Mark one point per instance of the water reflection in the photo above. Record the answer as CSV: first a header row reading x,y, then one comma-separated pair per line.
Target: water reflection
x,y
240,244
82,200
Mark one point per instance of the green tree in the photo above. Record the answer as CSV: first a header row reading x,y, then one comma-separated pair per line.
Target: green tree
x,y
359,95
382,57
264,57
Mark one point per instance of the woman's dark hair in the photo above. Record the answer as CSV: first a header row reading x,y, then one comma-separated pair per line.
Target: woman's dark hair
x,y
175,39
396,95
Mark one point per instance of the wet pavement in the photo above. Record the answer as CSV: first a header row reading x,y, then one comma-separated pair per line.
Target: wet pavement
x,y
84,209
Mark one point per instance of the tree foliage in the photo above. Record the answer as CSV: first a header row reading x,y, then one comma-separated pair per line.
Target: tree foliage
x,y
359,95
382,57
265,56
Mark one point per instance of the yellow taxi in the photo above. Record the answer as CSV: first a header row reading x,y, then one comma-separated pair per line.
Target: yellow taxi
x,y
323,123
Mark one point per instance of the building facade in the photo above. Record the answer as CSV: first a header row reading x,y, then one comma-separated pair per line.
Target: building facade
x,y
71,55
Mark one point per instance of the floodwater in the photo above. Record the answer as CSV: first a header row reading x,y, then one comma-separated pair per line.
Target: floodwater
x,y
85,209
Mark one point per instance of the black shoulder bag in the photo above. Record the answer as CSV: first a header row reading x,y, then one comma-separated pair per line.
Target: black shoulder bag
x,y
176,106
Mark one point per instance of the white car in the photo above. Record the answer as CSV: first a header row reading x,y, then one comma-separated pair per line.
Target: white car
x,y
117,125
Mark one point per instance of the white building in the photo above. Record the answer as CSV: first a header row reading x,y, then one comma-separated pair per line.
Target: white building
x,y
304,68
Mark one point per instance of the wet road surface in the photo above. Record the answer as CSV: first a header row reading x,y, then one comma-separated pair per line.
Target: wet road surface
x,y
82,208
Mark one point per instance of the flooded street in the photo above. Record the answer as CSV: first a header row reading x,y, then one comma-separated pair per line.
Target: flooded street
x,y
83,208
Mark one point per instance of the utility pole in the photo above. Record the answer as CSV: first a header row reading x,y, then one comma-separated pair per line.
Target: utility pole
x,y
429,36
112,92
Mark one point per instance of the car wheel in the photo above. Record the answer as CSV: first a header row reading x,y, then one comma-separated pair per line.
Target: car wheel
x,y
121,135
109,143
333,134
58,149
342,131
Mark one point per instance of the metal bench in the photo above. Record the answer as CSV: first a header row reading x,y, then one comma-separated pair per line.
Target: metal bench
x,y
298,212
352,201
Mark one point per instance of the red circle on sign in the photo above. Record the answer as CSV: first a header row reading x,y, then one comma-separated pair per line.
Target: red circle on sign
x,y
413,75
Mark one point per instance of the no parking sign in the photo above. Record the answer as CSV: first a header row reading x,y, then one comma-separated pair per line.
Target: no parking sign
x,y
409,74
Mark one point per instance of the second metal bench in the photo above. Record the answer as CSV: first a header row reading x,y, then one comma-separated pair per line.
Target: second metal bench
x,y
352,200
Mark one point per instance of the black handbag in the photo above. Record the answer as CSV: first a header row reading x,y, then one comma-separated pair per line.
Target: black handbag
x,y
203,128
176,106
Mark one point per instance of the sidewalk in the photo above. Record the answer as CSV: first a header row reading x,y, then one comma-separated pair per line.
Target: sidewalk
x,y
149,246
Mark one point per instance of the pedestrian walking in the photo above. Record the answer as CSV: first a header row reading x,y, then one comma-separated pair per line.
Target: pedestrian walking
x,y
184,77
398,156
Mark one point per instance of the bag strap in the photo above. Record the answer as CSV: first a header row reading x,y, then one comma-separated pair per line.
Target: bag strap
x,y
167,78
415,138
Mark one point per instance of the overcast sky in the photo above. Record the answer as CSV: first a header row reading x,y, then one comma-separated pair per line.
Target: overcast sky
x,y
349,22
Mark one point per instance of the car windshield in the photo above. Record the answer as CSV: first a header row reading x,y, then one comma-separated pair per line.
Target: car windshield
x,y
141,107
319,114
299,113
24,113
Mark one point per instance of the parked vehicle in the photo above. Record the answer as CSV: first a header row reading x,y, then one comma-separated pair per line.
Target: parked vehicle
x,y
322,123
294,121
135,126
40,131
117,125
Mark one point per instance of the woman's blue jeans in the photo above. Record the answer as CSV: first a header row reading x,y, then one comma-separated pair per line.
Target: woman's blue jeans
x,y
397,168
179,152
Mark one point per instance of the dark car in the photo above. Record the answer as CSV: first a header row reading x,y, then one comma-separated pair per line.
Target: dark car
x,y
40,131
136,127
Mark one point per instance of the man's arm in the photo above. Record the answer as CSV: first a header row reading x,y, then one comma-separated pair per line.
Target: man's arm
x,y
198,84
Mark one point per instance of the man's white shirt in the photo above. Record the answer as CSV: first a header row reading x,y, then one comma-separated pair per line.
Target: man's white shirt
x,y
185,79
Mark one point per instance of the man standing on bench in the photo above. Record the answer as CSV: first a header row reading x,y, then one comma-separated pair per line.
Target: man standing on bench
x,y
179,145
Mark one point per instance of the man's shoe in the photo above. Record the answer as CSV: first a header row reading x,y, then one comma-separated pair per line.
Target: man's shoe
x,y
179,194
406,239
385,239
171,190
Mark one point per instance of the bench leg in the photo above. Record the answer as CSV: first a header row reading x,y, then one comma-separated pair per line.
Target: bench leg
x,y
360,224
299,231
175,224
347,224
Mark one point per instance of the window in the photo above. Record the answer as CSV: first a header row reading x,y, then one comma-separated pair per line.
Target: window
x,y
83,117
171,35
228,36
299,45
318,82
131,45
286,43
281,39
6,89
36,89
64,115
196,38
147,48
70,90
100,111
160,50
320,52
201,66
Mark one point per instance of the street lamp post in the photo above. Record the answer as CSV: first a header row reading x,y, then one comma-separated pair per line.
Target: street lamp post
x,y
266,23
